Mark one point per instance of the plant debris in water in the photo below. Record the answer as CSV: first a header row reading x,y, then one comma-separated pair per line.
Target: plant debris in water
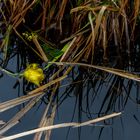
x,y
92,43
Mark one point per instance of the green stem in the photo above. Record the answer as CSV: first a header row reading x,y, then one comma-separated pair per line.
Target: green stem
x,y
10,73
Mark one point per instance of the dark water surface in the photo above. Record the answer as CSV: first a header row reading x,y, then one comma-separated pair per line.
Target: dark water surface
x,y
124,127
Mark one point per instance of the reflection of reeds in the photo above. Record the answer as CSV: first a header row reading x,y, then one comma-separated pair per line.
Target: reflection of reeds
x,y
71,32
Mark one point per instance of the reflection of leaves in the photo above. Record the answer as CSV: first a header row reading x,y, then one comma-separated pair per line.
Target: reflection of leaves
x,y
135,117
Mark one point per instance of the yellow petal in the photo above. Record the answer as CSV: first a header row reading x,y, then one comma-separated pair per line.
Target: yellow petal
x,y
34,74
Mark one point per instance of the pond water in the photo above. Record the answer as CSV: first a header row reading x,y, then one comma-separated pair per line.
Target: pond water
x,y
124,127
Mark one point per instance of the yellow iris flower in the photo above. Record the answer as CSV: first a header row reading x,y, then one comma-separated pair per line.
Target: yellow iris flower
x,y
34,74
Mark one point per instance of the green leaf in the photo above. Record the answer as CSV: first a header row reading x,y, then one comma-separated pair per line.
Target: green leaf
x,y
55,53
51,52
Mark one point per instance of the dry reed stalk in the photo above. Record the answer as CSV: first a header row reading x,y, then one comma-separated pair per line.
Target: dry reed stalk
x,y
50,121
135,14
93,37
68,52
117,72
15,119
60,14
43,55
18,11
13,15
12,122
45,119
17,101
38,91
72,124
105,42
2,122
45,5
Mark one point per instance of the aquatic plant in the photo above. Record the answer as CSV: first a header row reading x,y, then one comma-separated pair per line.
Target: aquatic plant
x,y
34,74
92,42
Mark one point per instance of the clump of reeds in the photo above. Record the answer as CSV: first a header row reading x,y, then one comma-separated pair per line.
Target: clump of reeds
x,y
68,33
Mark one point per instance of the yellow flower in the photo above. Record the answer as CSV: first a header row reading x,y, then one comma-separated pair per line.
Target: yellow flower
x,y
34,74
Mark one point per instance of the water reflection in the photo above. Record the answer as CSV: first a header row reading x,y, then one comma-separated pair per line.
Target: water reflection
x,y
84,95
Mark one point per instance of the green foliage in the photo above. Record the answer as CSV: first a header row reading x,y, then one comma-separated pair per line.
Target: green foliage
x,y
51,52
54,54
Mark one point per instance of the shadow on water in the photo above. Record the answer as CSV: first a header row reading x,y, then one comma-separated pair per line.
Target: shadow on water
x,y
84,95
